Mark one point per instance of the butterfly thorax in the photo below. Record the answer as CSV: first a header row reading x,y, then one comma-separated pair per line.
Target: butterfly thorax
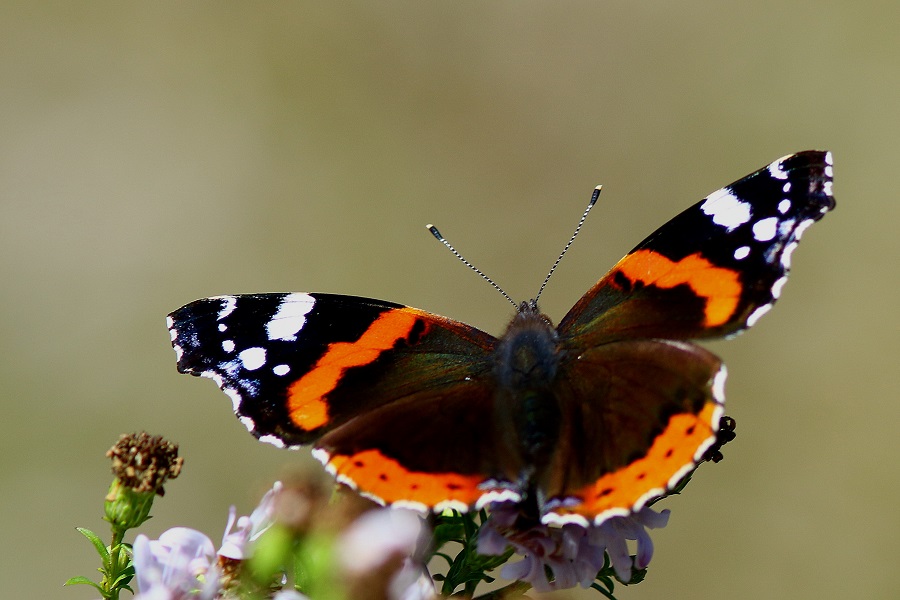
x,y
525,364
527,355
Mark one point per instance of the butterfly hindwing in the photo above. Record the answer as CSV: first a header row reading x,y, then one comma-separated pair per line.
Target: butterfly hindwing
x,y
436,448
715,268
638,416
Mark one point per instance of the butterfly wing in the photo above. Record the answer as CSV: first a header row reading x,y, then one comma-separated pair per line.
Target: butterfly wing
x,y
297,366
715,268
436,449
637,416
641,406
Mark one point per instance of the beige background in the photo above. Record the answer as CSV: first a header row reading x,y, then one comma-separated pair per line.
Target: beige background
x,y
156,152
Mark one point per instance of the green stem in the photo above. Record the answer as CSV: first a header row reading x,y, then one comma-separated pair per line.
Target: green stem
x,y
115,549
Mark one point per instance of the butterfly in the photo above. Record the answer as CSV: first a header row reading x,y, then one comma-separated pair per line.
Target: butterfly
x,y
586,420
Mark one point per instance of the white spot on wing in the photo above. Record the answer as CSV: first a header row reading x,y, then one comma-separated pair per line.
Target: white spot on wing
x,y
252,358
802,227
235,400
290,317
701,450
271,439
228,345
609,514
756,314
408,504
281,369
718,386
214,376
230,305
776,171
784,205
222,327
323,457
786,187
777,286
742,253
765,230
786,255
726,209
658,492
497,496
552,518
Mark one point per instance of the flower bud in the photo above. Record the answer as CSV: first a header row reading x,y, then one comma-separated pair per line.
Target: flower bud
x,y
141,464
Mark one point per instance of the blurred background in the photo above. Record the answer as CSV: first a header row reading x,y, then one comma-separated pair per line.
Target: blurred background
x,y
154,153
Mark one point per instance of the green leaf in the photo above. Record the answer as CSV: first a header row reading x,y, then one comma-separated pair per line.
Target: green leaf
x,y
604,591
101,548
84,581
122,580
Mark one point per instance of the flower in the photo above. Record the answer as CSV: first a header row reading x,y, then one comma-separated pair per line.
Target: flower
x,y
141,465
183,563
382,544
179,565
235,542
143,462
573,554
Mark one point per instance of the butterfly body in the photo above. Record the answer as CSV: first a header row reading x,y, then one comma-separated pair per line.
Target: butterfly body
x,y
590,419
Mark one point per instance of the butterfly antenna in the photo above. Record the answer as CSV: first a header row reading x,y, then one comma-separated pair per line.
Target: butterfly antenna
x,y
437,234
590,205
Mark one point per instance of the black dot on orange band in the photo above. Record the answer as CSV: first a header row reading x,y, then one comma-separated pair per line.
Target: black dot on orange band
x,y
358,463
604,492
641,476
453,486
415,332
383,477
690,430
621,280
670,452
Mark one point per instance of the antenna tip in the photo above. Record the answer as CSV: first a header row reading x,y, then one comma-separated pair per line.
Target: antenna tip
x,y
434,231
598,188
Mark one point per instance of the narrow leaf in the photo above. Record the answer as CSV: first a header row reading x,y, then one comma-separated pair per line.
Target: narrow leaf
x,y
84,581
102,550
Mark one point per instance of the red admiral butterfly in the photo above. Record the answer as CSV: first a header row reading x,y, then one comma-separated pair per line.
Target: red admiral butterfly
x,y
590,419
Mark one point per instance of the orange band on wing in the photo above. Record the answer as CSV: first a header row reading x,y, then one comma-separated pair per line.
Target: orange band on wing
x,y
672,450
306,396
383,477
721,287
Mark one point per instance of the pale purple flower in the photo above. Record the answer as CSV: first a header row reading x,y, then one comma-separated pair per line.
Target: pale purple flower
x,y
180,565
614,532
235,542
574,554
380,535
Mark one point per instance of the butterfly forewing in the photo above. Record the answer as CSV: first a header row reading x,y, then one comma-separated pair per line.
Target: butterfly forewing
x,y
715,268
299,365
